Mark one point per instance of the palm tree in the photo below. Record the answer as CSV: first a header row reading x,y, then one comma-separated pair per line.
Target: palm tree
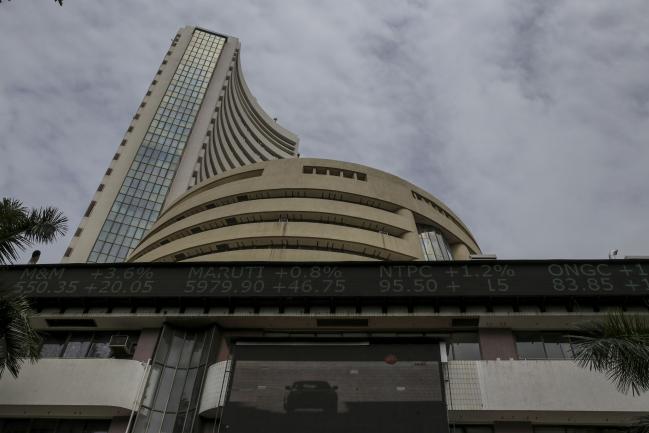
x,y
619,348
18,341
20,228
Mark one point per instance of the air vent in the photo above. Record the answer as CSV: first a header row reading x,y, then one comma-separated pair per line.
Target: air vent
x,y
342,322
465,323
230,221
196,230
91,206
242,198
222,247
121,345
483,257
85,323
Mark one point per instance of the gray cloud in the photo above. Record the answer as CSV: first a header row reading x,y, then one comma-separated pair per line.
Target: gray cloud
x,y
529,119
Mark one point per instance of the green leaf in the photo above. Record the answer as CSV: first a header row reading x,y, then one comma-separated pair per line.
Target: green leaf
x,y
617,347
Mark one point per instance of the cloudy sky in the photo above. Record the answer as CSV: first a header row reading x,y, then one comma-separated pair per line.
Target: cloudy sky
x,y
529,119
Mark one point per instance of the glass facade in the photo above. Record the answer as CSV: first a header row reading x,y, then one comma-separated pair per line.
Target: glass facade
x,y
172,393
80,344
463,346
145,187
433,244
344,386
537,345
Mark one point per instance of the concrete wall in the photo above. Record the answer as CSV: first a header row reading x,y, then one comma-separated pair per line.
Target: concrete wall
x,y
146,344
539,391
321,205
72,387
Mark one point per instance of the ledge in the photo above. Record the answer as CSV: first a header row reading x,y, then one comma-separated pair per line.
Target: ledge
x,y
72,387
544,390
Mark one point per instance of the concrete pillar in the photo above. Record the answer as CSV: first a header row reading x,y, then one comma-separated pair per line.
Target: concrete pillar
x,y
497,343
412,236
513,427
459,251
146,344
118,424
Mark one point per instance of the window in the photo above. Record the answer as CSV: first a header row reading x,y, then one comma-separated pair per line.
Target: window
x,y
331,171
172,392
54,426
77,345
158,156
53,346
90,208
463,346
543,345
433,244
81,344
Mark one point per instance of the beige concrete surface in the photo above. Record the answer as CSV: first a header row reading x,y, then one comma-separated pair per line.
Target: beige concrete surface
x,y
322,205
72,387
542,391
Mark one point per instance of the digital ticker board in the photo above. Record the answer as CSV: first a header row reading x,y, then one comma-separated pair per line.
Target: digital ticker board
x,y
377,279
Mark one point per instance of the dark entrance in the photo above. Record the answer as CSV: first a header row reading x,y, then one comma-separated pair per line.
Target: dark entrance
x,y
335,387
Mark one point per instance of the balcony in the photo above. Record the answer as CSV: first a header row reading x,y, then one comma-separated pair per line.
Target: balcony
x,y
537,391
72,387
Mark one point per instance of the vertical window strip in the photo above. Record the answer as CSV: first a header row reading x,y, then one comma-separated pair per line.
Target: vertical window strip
x,y
145,188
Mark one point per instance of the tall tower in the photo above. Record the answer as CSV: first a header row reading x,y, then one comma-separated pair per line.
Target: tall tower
x,y
198,119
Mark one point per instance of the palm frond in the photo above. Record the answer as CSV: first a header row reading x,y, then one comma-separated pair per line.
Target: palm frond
x,y
11,245
617,347
12,221
20,228
18,340
12,212
45,224
640,425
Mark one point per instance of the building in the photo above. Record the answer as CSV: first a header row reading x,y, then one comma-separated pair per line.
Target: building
x,y
279,294
305,209
197,119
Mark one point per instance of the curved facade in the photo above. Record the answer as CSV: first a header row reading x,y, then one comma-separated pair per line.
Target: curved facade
x,y
241,132
306,209
198,119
